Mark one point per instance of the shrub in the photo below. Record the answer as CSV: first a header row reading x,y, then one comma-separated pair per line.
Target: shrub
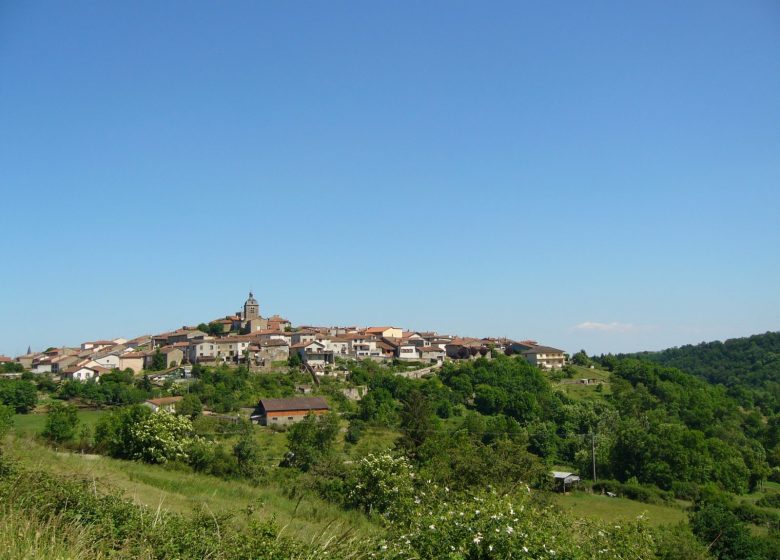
x,y
62,421
381,484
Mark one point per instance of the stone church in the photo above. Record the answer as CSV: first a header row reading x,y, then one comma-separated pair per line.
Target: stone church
x,y
251,320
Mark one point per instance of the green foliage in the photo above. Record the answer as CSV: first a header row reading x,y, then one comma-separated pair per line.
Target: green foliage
x,y
100,526
677,542
491,525
62,423
161,437
216,329
382,484
189,406
354,431
581,359
6,420
417,422
158,361
379,407
113,434
11,367
19,394
294,361
723,533
248,455
311,440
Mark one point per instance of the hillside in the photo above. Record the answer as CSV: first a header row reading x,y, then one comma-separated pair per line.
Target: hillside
x,y
749,367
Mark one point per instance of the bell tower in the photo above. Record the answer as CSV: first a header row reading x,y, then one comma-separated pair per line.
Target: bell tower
x,y
251,308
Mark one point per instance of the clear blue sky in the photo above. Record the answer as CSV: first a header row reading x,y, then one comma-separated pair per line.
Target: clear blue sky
x,y
602,175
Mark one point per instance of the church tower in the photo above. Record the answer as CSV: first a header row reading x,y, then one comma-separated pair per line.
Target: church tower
x,y
251,308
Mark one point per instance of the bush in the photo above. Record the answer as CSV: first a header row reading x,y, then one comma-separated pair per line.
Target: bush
x,y
382,484
19,394
62,421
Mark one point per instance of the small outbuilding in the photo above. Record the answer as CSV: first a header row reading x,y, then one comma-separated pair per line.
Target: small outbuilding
x,y
164,403
563,479
281,412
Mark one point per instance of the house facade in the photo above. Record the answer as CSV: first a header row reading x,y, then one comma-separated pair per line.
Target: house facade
x,y
282,412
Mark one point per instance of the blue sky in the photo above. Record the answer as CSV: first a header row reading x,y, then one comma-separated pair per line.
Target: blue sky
x,y
597,175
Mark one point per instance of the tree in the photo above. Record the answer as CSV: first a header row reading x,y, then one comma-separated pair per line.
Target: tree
x,y
161,437
311,440
723,533
6,419
145,383
190,406
158,361
19,394
216,329
203,327
417,422
113,431
581,359
248,454
294,361
62,422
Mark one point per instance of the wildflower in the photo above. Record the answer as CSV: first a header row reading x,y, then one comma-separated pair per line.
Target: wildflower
x,y
478,538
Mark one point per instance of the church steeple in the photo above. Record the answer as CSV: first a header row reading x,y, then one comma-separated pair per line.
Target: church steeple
x,y
251,308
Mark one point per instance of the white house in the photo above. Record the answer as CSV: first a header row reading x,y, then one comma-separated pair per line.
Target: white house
x,y
83,373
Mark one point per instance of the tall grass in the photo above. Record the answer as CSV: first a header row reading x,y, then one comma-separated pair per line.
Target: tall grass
x,y
25,537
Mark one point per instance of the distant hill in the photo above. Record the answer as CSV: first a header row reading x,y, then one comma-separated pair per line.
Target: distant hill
x,y
749,367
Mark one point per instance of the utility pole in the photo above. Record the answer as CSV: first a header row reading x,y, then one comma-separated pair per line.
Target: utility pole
x,y
593,453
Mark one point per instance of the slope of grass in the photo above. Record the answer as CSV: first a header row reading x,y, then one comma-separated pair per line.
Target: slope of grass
x,y
33,424
301,514
614,510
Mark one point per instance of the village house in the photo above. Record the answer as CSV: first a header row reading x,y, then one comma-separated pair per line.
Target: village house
x,y
202,351
26,360
545,357
408,351
167,404
277,323
133,361
385,332
432,354
313,353
282,412
264,353
173,357
83,373
60,363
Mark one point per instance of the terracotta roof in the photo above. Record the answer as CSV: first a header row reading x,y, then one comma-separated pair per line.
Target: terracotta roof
x,y
162,401
133,355
273,342
300,403
5,359
305,344
430,349
542,350
378,329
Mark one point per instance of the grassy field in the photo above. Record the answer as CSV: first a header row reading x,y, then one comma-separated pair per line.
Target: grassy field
x,y
32,424
584,392
614,510
302,515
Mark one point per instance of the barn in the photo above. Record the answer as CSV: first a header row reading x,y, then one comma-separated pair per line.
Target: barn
x,y
281,412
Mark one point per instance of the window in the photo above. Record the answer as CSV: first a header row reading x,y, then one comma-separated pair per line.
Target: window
x,y
289,417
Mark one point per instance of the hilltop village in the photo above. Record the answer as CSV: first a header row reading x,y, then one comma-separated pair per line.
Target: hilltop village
x,y
263,343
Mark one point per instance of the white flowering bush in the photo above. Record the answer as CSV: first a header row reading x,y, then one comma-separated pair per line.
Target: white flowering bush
x,y
161,437
382,484
489,525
